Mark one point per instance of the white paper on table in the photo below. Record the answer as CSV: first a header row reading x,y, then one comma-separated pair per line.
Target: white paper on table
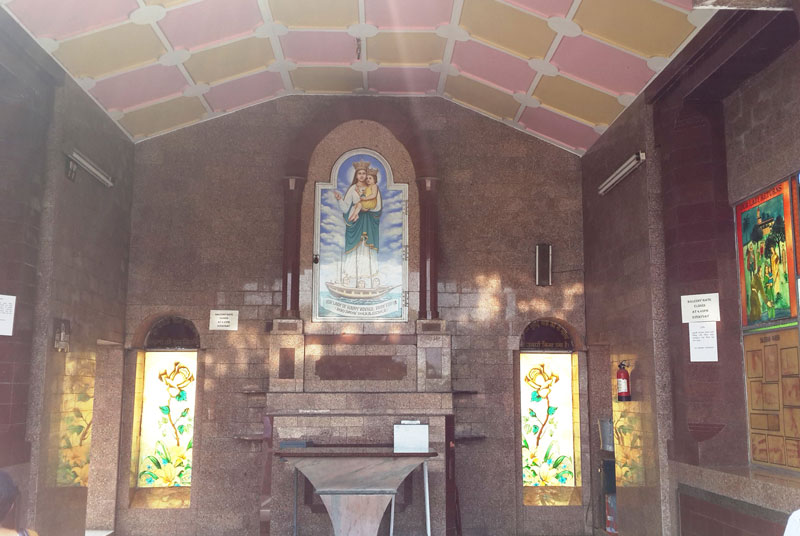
x,y
703,341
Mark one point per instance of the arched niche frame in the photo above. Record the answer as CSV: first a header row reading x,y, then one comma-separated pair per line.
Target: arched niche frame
x,y
368,137
551,412
400,122
360,263
161,397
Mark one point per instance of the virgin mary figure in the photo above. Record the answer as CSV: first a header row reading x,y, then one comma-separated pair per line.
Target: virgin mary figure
x,y
361,209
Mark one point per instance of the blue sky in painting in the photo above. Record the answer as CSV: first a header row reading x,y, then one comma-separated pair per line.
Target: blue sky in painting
x,y
771,208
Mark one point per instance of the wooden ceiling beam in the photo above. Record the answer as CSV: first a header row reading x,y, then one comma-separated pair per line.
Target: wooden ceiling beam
x,y
733,46
785,5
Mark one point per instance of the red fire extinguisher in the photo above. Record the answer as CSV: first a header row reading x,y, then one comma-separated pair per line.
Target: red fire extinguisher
x,y
623,383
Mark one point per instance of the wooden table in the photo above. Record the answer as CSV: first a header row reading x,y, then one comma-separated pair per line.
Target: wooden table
x,y
356,487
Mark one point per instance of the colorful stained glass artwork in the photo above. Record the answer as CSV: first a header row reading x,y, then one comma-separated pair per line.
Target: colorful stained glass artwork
x,y
75,394
167,424
549,420
766,257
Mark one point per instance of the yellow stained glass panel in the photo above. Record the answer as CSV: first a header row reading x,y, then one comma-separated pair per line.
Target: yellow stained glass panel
x,y
167,424
550,429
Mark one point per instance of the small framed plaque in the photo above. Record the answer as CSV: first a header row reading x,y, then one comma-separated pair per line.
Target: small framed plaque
x,y
224,320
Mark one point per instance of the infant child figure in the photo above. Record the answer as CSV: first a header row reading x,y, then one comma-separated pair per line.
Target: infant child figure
x,y
369,196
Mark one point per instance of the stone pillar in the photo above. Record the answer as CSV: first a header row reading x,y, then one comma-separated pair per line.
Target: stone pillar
x,y
709,411
290,292
101,501
428,247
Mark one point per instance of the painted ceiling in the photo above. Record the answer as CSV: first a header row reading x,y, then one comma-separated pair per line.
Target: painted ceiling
x,y
560,70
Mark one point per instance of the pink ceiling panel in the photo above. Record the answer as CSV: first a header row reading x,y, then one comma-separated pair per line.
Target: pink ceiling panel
x,y
601,65
139,87
244,91
548,8
65,18
403,80
559,128
493,66
408,14
209,22
319,47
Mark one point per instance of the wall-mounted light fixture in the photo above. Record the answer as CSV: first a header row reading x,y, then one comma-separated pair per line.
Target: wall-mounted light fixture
x,y
61,334
623,171
75,160
544,265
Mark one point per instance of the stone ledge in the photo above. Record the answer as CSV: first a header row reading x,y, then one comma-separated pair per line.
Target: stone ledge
x,y
766,488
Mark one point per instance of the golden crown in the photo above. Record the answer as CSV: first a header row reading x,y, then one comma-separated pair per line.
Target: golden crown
x,y
373,172
361,165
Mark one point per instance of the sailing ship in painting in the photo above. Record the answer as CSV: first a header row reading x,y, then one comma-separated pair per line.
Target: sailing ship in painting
x,y
360,241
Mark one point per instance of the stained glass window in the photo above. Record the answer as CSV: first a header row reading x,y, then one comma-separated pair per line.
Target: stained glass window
x,y
550,429
167,421
73,409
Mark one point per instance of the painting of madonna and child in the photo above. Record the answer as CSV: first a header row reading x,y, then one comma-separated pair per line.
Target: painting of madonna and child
x,y
361,238
766,257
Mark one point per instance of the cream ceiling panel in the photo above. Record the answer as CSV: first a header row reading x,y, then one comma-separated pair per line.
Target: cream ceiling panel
x,y
409,48
481,96
577,100
163,116
506,27
108,51
327,79
314,13
229,61
642,26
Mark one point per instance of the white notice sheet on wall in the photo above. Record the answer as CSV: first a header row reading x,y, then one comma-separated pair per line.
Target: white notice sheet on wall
x,y
7,304
703,341
224,320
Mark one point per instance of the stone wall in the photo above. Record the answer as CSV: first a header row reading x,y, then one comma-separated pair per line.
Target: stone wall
x,y
64,250
710,424
623,239
83,263
705,513
25,109
760,120
208,234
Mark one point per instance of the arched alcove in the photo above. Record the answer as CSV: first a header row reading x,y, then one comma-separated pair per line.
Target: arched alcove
x,y
549,415
172,332
370,137
164,407
550,334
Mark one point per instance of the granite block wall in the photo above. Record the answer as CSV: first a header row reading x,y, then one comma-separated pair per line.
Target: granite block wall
x,y
760,118
25,109
207,234
83,263
710,426
63,253
704,513
623,239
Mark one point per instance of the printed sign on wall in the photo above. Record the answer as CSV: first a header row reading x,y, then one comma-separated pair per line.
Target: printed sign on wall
x,y
7,304
361,237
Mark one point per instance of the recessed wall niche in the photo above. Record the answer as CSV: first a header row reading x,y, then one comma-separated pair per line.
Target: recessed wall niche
x,y
162,443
